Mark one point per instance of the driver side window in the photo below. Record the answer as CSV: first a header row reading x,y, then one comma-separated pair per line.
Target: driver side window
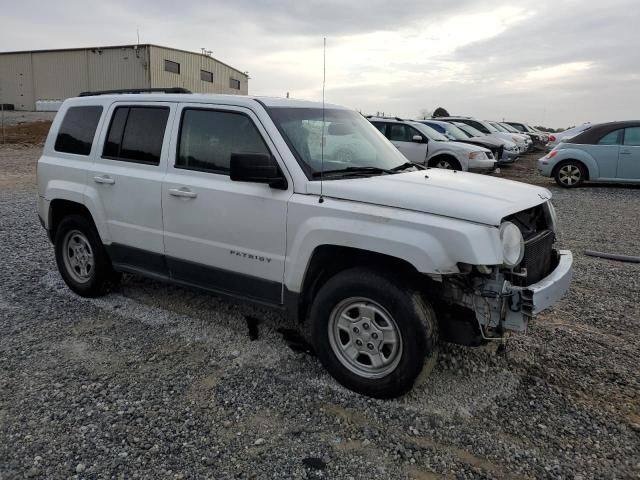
x,y
209,137
399,132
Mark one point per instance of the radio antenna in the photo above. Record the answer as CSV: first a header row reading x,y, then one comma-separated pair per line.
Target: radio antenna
x,y
324,79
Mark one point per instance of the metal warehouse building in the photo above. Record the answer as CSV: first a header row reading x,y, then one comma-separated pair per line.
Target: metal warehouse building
x,y
29,77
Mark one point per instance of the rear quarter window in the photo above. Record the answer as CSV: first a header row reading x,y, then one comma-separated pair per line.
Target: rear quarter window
x,y
611,138
77,130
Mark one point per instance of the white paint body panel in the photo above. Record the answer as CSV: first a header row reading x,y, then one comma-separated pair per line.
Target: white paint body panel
x,y
132,205
433,223
225,217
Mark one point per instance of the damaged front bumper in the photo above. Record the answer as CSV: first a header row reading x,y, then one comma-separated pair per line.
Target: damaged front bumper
x,y
498,305
525,302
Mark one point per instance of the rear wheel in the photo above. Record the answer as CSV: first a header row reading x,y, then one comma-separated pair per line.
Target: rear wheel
x,y
82,260
570,174
445,162
372,334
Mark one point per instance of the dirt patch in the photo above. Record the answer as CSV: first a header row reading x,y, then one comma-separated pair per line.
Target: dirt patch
x,y
18,167
33,133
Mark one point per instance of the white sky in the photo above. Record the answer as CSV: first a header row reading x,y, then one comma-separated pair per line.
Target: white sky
x,y
555,63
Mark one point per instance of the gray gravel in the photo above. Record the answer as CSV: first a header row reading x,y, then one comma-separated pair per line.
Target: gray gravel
x,y
156,381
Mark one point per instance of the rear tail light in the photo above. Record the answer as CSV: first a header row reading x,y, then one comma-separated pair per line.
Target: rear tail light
x,y
552,138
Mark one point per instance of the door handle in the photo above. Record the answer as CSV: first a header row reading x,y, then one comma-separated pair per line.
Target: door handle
x,y
182,192
104,179
625,152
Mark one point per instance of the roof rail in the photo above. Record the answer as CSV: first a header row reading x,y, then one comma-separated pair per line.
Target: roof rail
x,y
381,116
135,90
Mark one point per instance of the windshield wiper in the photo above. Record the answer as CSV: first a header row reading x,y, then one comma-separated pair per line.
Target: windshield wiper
x,y
354,170
404,166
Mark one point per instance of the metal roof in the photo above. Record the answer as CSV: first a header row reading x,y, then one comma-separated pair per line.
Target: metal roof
x,y
114,47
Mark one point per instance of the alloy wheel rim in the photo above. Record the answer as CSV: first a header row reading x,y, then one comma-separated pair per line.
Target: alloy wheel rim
x,y
569,175
78,256
444,164
365,338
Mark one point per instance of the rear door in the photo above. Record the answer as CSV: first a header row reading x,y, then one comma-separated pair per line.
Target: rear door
x,y
126,179
629,158
401,136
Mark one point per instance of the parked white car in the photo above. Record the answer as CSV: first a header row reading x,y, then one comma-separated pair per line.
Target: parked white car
x,y
520,140
510,152
368,256
559,137
424,145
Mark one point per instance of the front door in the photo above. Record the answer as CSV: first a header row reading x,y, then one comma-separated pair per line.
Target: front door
x,y
606,153
126,179
401,136
629,158
221,234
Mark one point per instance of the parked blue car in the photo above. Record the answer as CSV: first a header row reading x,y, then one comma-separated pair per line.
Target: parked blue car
x,y
608,152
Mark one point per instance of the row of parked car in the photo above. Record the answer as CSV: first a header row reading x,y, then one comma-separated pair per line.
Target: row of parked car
x,y
460,143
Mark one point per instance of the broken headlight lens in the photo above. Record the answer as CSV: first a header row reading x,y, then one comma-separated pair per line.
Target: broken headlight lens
x,y
512,244
552,217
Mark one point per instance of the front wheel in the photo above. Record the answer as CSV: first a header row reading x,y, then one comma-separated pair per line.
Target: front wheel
x,y
372,334
447,163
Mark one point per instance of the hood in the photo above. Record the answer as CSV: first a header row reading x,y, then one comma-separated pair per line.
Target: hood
x,y
455,146
462,195
479,143
521,138
487,140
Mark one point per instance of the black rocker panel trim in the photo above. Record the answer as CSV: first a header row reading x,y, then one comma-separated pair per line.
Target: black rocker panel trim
x,y
184,272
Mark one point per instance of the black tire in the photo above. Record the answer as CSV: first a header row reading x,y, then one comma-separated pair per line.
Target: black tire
x,y
570,174
410,313
445,159
100,276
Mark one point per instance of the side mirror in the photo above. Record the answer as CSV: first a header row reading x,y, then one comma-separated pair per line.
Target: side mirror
x,y
418,139
256,168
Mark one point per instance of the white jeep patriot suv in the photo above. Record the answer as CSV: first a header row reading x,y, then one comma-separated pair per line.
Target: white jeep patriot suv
x,y
375,257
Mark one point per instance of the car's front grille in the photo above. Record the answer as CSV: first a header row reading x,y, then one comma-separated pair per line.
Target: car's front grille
x,y
538,257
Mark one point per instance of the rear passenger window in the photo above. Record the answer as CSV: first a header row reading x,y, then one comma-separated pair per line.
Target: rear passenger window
x,y
611,138
136,134
77,130
208,138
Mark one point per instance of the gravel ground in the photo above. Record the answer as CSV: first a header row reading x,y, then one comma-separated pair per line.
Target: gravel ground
x,y
157,381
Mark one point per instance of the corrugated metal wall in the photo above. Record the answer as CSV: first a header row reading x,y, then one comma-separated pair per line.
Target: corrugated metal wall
x,y
58,74
16,81
189,77
113,68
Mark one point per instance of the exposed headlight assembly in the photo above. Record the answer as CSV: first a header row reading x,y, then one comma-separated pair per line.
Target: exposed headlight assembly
x,y
552,217
512,244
